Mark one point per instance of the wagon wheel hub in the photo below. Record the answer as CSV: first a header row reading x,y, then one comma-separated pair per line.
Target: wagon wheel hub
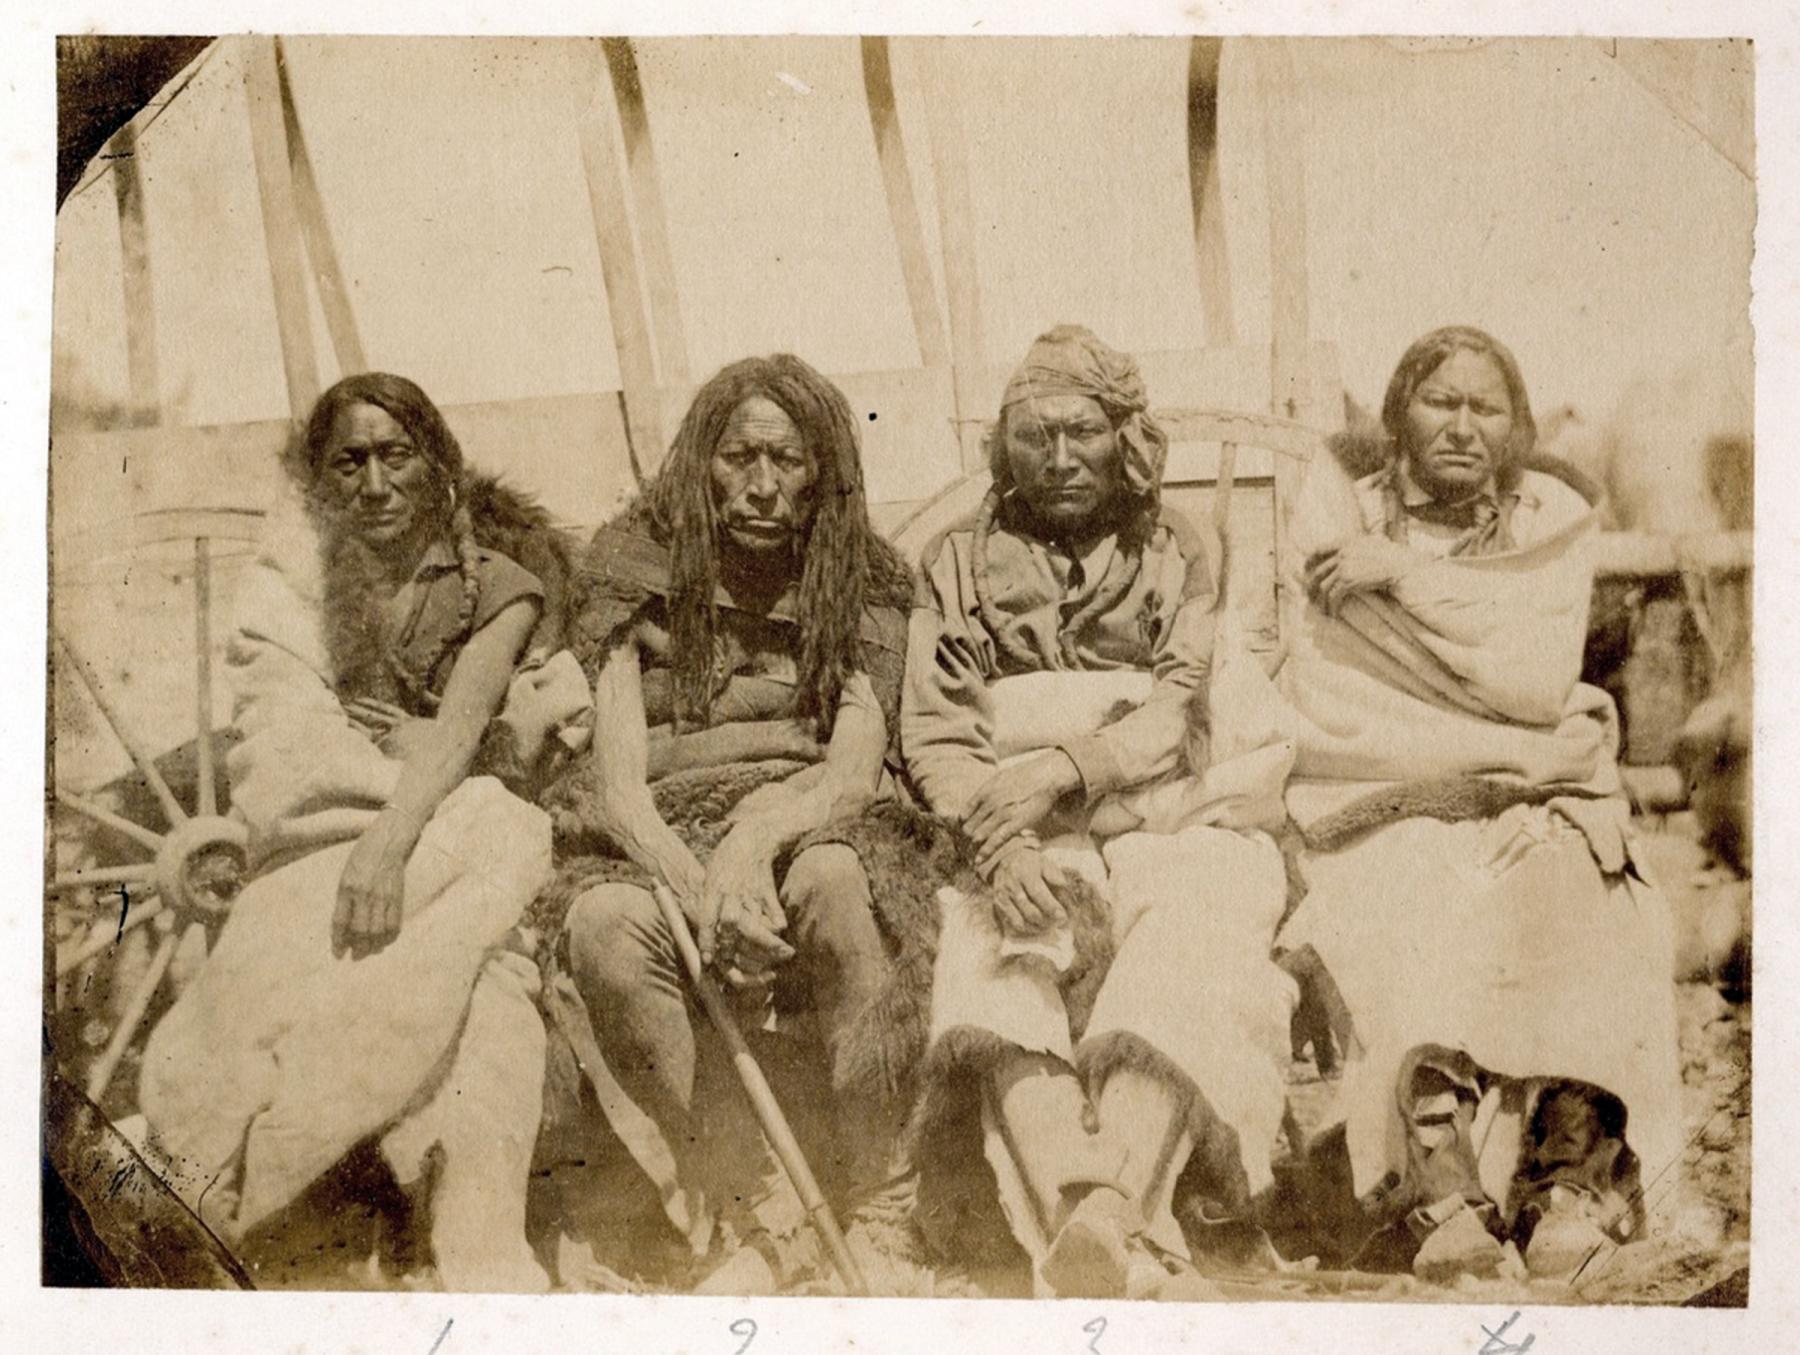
x,y
199,861
201,865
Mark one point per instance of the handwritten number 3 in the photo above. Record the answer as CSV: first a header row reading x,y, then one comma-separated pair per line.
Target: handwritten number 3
x,y
745,1328
1096,1328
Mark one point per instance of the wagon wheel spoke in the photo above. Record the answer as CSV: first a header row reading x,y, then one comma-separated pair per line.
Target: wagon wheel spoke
x,y
203,692
140,755
106,932
101,1075
140,874
105,817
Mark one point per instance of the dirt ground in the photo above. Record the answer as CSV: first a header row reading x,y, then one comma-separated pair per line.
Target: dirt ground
x,y
352,1233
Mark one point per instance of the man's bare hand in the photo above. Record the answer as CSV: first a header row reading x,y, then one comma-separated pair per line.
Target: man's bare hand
x,y
741,914
1017,799
372,890
375,718
1362,563
1027,886
408,738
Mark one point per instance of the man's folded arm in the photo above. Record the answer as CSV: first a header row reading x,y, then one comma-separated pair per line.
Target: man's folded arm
x,y
474,692
946,713
1148,743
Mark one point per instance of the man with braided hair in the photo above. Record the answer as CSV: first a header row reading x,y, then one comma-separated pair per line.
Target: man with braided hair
x,y
1057,707
744,626
361,985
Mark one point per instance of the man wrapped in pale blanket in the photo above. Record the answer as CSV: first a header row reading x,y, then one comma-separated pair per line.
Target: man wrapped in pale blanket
x,y
361,986
1104,1013
1472,883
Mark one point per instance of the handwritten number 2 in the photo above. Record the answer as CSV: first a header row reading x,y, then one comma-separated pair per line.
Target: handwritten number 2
x,y
745,1328
1094,1328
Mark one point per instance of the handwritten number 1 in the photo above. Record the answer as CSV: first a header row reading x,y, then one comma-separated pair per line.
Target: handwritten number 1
x,y
745,1328
1094,1328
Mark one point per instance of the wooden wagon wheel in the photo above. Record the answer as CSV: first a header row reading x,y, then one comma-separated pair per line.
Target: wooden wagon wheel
x,y
195,859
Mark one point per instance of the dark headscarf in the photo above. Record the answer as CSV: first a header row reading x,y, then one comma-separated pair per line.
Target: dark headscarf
x,y
1072,360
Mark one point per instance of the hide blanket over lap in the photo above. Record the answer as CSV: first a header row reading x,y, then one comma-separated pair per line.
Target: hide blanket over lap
x,y
912,857
917,862
909,856
705,774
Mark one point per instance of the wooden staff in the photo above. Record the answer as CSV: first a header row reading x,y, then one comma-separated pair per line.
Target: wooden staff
x,y
762,1097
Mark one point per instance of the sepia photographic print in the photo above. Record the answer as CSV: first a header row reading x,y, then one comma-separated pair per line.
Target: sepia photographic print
x,y
935,667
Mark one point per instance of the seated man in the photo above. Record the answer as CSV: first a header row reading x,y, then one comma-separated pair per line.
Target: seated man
x,y
360,986
744,627
1074,595
1473,874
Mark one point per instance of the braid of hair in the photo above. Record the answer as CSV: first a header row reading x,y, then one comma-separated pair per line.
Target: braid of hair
x,y
468,562
1104,600
984,602
416,682
1392,508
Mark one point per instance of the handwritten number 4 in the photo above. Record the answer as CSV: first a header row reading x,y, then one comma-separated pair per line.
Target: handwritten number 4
x,y
1497,1345
745,1328
1094,1329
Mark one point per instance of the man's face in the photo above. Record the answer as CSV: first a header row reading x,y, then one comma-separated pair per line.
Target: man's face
x,y
1064,457
374,473
1457,426
762,478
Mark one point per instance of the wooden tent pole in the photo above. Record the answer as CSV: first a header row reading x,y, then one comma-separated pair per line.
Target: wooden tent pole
x,y
956,235
1292,388
134,245
620,275
1284,149
281,222
315,230
903,205
652,220
1210,252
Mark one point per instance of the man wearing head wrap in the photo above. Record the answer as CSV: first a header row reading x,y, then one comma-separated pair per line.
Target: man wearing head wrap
x,y
1103,1002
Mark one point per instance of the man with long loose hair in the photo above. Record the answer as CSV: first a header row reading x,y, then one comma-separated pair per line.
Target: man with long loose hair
x,y
362,985
744,627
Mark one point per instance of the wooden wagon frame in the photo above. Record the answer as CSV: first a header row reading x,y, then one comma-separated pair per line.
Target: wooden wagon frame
x,y
1243,421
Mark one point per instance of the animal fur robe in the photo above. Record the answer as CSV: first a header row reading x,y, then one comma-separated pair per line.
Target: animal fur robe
x,y
278,1058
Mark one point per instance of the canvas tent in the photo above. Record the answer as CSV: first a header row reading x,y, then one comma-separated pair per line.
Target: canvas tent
x,y
558,238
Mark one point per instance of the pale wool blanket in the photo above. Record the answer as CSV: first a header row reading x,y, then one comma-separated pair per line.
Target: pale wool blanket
x,y
280,1057
1251,751
1532,940
1467,666
1195,892
1241,789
